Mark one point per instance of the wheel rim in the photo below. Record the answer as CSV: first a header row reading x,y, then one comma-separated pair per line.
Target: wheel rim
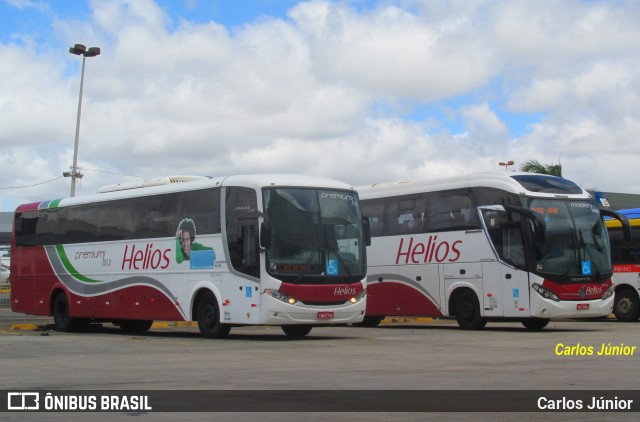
x,y
625,306
468,310
209,315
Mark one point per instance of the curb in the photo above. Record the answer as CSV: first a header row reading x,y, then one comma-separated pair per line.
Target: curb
x,y
27,327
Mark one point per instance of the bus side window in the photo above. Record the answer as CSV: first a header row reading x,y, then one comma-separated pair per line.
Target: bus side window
x,y
374,210
452,210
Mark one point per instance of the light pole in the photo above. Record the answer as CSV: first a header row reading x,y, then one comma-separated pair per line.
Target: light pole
x,y
79,50
507,164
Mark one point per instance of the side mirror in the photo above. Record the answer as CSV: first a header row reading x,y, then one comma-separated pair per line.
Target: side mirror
x,y
626,227
265,235
366,230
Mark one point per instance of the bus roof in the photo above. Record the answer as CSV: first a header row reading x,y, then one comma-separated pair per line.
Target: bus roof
x,y
185,183
630,212
529,184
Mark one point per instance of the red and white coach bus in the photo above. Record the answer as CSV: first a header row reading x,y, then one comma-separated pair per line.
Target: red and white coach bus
x,y
626,266
241,250
510,246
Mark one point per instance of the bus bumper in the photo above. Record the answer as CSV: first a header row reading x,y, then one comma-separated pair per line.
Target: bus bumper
x,y
280,313
545,308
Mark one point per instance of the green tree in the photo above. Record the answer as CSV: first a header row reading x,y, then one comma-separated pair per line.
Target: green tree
x,y
534,166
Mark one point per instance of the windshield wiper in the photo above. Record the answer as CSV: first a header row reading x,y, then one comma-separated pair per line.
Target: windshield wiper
x,y
315,248
586,254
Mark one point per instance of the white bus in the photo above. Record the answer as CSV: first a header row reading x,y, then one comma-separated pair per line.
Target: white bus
x,y
508,246
626,266
280,250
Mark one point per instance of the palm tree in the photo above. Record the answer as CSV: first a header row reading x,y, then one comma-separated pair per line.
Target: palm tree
x,y
534,166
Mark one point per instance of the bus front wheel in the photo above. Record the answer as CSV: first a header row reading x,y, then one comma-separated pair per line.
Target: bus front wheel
x,y
535,323
296,331
625,306
134,325
468,312
209,318
370,321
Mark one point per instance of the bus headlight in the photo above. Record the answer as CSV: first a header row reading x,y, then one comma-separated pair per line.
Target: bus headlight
x,y
357,298
277,294
610,291
545,293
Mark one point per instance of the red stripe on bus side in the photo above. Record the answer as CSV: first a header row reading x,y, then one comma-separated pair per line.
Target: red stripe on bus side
x,y
626,268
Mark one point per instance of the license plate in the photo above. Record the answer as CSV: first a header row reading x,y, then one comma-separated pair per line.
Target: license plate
x,y
325,315
582,307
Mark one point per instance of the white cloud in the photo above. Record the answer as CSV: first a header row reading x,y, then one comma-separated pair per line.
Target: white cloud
x,y
329,91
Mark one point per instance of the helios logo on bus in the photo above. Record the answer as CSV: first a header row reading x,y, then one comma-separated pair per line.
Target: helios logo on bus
x,y
431,251
147,258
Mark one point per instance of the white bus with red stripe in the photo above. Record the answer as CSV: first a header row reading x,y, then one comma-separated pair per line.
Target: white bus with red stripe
x,y
626,266
281,250
484,247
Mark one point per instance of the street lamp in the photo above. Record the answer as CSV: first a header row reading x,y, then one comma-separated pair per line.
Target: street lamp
x,y
507,164
79,50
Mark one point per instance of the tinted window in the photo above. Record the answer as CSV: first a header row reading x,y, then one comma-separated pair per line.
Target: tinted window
x,y
374,210
547,184
124,219
622,252
493,196
404,214
451,210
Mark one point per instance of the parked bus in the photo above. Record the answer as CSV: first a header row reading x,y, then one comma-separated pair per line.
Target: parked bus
x,y
242,250
510,246
626,266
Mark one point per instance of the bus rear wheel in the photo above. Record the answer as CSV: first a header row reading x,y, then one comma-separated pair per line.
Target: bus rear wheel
x,y
468,312
209,318
535,323
625,306
61,319
296,331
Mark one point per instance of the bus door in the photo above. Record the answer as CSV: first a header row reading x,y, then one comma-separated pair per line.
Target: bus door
x,y
241,288
507,278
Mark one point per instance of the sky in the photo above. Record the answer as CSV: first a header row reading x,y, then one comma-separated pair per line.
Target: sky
x,y
362,91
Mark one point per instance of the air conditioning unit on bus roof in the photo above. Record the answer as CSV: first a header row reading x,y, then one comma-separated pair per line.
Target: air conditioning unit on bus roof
x,y
154,181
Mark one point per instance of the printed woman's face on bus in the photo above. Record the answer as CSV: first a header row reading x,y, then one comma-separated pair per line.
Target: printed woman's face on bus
x,y
185,241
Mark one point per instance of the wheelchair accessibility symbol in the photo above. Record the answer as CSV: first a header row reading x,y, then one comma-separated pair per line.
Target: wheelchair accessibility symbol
x,y
332,267
586,267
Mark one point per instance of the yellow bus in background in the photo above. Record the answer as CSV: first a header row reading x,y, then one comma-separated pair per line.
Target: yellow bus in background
x,y
626,266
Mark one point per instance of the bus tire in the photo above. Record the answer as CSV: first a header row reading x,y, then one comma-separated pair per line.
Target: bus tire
x,y
61,319
468,312
296,331
535,324
370,321
625,306
208,314
134,325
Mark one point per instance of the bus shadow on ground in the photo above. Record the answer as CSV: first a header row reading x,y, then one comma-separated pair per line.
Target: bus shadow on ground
x,y
491,326
273,334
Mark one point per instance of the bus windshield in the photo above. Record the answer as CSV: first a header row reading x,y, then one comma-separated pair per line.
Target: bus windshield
x,y
313,233
576,244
